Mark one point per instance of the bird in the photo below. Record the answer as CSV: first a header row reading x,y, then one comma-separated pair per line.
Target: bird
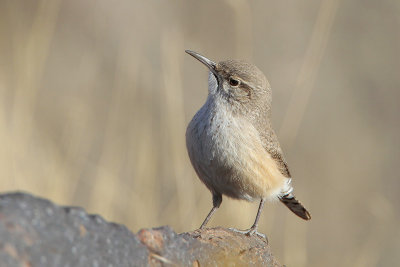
x,y
232,145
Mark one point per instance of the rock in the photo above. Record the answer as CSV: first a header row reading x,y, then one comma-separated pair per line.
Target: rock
x,y
208,247
36,232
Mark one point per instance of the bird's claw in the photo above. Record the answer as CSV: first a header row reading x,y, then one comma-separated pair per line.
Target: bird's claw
x,y
249,232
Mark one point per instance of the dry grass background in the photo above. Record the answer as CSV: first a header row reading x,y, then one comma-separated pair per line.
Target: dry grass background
x,y
95,97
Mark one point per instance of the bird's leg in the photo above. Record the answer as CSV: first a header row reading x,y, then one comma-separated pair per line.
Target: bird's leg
x,y
217,200
253,229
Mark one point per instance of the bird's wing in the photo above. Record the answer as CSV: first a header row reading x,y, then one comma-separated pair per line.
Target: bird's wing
x,y
271,144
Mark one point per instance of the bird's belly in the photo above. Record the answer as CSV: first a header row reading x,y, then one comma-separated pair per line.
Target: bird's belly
x,y
230,159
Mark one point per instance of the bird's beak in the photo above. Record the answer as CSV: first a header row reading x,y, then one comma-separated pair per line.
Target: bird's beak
x,y
209,64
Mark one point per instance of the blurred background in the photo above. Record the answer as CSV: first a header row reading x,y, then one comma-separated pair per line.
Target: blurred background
x,y
95,97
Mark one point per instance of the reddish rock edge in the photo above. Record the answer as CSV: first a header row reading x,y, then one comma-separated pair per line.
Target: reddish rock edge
x,y
207,247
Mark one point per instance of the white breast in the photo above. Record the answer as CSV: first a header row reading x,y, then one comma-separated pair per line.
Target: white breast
x,y
228,156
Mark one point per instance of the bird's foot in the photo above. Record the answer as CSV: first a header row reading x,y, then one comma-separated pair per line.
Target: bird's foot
x,y
249,232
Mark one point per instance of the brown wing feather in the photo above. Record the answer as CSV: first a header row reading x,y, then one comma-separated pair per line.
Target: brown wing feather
x,y
271,144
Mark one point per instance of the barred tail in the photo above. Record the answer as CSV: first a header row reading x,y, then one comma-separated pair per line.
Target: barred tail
x,y
295,206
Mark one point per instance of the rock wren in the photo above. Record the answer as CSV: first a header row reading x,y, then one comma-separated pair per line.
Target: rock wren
x,y
231,143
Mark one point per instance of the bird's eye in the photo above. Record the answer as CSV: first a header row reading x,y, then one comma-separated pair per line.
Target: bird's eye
x,y
233,82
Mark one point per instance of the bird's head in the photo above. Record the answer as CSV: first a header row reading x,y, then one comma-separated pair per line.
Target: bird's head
x,y
239,83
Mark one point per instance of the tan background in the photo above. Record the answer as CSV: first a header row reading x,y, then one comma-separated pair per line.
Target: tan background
x,y
95,97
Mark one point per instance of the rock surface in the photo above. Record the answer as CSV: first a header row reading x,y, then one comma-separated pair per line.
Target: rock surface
x,y
36,232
